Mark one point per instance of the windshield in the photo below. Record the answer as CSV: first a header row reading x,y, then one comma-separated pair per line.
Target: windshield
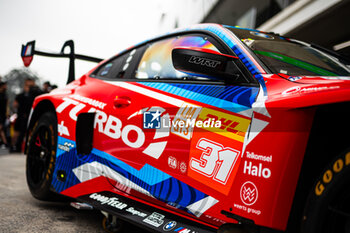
x,y
291,57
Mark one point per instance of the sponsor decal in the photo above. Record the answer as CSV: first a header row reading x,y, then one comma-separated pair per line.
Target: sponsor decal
x,y
113,127
263,158
328,175
135,212
155,219
172,162
334,77
169,226
216,161
211,161
249,210
215,219
249,193
183,167
256,170
111,201
231,126
293,79
186,120
62,130
87,100
110,126
66,146
204,61
175,164
184,230
186,112
302,90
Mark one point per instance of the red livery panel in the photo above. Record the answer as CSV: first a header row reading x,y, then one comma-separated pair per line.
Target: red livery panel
x,y
148,143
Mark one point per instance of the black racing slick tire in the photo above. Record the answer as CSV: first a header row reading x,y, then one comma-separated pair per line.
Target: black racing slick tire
x,y
41,156
328,206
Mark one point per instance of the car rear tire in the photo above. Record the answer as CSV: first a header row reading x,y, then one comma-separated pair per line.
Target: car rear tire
x,y
41,156
328,205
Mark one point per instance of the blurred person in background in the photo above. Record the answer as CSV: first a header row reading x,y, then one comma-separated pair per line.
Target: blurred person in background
x,y
3,114
54,86
23,103
47,87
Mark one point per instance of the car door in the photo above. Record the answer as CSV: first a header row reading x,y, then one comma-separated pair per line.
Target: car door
x,y
195,160
139,141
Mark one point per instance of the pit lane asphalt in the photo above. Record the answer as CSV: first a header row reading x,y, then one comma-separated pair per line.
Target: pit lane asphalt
x,y
20,212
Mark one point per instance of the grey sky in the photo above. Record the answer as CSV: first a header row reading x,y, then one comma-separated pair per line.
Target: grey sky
x,y
99,28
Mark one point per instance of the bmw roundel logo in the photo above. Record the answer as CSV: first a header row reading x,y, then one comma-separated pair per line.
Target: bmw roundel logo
x,y
169,226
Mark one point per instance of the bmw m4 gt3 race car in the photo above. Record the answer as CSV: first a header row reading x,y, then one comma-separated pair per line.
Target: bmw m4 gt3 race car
x,y
206,129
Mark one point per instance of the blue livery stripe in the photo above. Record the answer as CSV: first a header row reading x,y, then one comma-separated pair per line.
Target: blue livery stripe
x,y
159,184
231,98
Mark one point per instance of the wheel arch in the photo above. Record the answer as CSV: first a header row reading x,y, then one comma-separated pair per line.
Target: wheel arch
x,y
328,138
42,107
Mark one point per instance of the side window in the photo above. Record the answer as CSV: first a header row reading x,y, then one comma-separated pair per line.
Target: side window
x,y
118,67
156,62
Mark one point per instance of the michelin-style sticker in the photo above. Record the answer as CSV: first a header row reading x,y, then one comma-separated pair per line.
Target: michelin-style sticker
x,y
155,219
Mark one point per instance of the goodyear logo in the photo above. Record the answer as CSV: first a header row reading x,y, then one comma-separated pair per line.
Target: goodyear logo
x,y
329,174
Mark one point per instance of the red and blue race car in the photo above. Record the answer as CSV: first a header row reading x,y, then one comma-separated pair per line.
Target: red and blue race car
x,y
206,129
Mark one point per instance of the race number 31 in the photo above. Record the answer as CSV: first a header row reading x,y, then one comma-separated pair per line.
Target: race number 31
x,y
216,161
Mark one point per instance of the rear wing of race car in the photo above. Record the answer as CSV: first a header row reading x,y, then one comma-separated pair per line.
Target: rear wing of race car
x,y
29,50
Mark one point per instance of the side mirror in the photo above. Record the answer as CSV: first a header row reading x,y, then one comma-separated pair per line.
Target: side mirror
x,y
204,62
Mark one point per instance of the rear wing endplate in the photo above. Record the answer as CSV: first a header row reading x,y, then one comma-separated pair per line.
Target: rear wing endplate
x,y
28,51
